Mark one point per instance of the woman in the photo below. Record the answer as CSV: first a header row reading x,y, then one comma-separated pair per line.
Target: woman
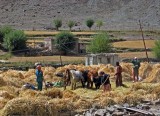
x,y
105,81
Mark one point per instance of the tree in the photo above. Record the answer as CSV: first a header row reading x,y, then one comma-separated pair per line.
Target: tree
x,y
65,42
15,40
156,49
99,24
71,24
89,23
57,24
3,31
100,44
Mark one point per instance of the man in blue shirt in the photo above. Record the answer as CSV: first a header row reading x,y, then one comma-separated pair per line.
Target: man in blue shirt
x,y
39,77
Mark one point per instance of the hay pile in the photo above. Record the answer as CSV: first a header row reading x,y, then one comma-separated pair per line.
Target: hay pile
x,y
2,82
14,73
29,73
23,106
145,70
52,93
15,101
154,74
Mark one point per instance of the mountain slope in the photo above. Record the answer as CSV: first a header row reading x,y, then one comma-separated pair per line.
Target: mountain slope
x,y
117,14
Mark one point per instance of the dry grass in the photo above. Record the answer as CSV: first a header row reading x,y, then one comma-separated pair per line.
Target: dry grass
x,y
74,58
55,32
137,54
46,58
134,44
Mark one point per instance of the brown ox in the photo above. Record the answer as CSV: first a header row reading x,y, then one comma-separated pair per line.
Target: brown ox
x,y
89,75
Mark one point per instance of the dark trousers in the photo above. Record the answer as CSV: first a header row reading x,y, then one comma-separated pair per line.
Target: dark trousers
x,y
118,80
40,85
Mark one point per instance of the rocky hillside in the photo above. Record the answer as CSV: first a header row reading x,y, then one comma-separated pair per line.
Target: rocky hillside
x,y
117,14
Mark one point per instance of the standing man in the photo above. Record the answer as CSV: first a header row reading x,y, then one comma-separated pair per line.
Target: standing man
x,y
136,65
118,75
39,77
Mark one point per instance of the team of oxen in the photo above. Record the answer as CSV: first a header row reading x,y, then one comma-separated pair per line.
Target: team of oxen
x,y
86,77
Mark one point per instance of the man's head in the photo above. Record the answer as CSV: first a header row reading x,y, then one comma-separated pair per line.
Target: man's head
x,y
38,67
101,73
117,63
135,58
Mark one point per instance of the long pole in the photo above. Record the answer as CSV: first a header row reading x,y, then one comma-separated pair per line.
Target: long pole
x,y
61,60
143,41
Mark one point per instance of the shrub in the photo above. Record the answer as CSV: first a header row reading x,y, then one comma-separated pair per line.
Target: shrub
x,y
57,24
15,40
99,24
156,49
89,23
100,44
71,24
4,30
65,42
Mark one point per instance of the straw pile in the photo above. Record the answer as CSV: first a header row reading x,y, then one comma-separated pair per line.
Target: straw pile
x,y
2,82
52,93
50,101
82,104
23,106
6,95
49,71
154,75
145,70
14,73
13,81
29,73
28,93
127,68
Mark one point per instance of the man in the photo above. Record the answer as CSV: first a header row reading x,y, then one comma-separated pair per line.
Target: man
x,y
118,75
105,81
136,65
39,79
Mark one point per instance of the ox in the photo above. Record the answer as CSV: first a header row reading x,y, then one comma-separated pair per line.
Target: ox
x,y
72,77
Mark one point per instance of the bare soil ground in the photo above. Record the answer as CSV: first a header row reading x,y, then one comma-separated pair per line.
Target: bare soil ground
x,y
134,44
74,58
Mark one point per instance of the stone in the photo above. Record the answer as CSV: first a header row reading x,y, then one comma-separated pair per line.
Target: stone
x,y
126,105
145,107
100,112
118,113
110,109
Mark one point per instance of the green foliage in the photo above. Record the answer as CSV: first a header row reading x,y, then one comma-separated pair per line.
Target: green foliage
x,y
156,49
5,56
100,44
99,24
3,31
89,23
71,24
65,42
57,23
15,40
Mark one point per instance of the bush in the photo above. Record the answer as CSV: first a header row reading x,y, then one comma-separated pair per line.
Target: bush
x,y
71,24
3,31
156,49
15,40
99,24
57,24
100,44
89,23
65,42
